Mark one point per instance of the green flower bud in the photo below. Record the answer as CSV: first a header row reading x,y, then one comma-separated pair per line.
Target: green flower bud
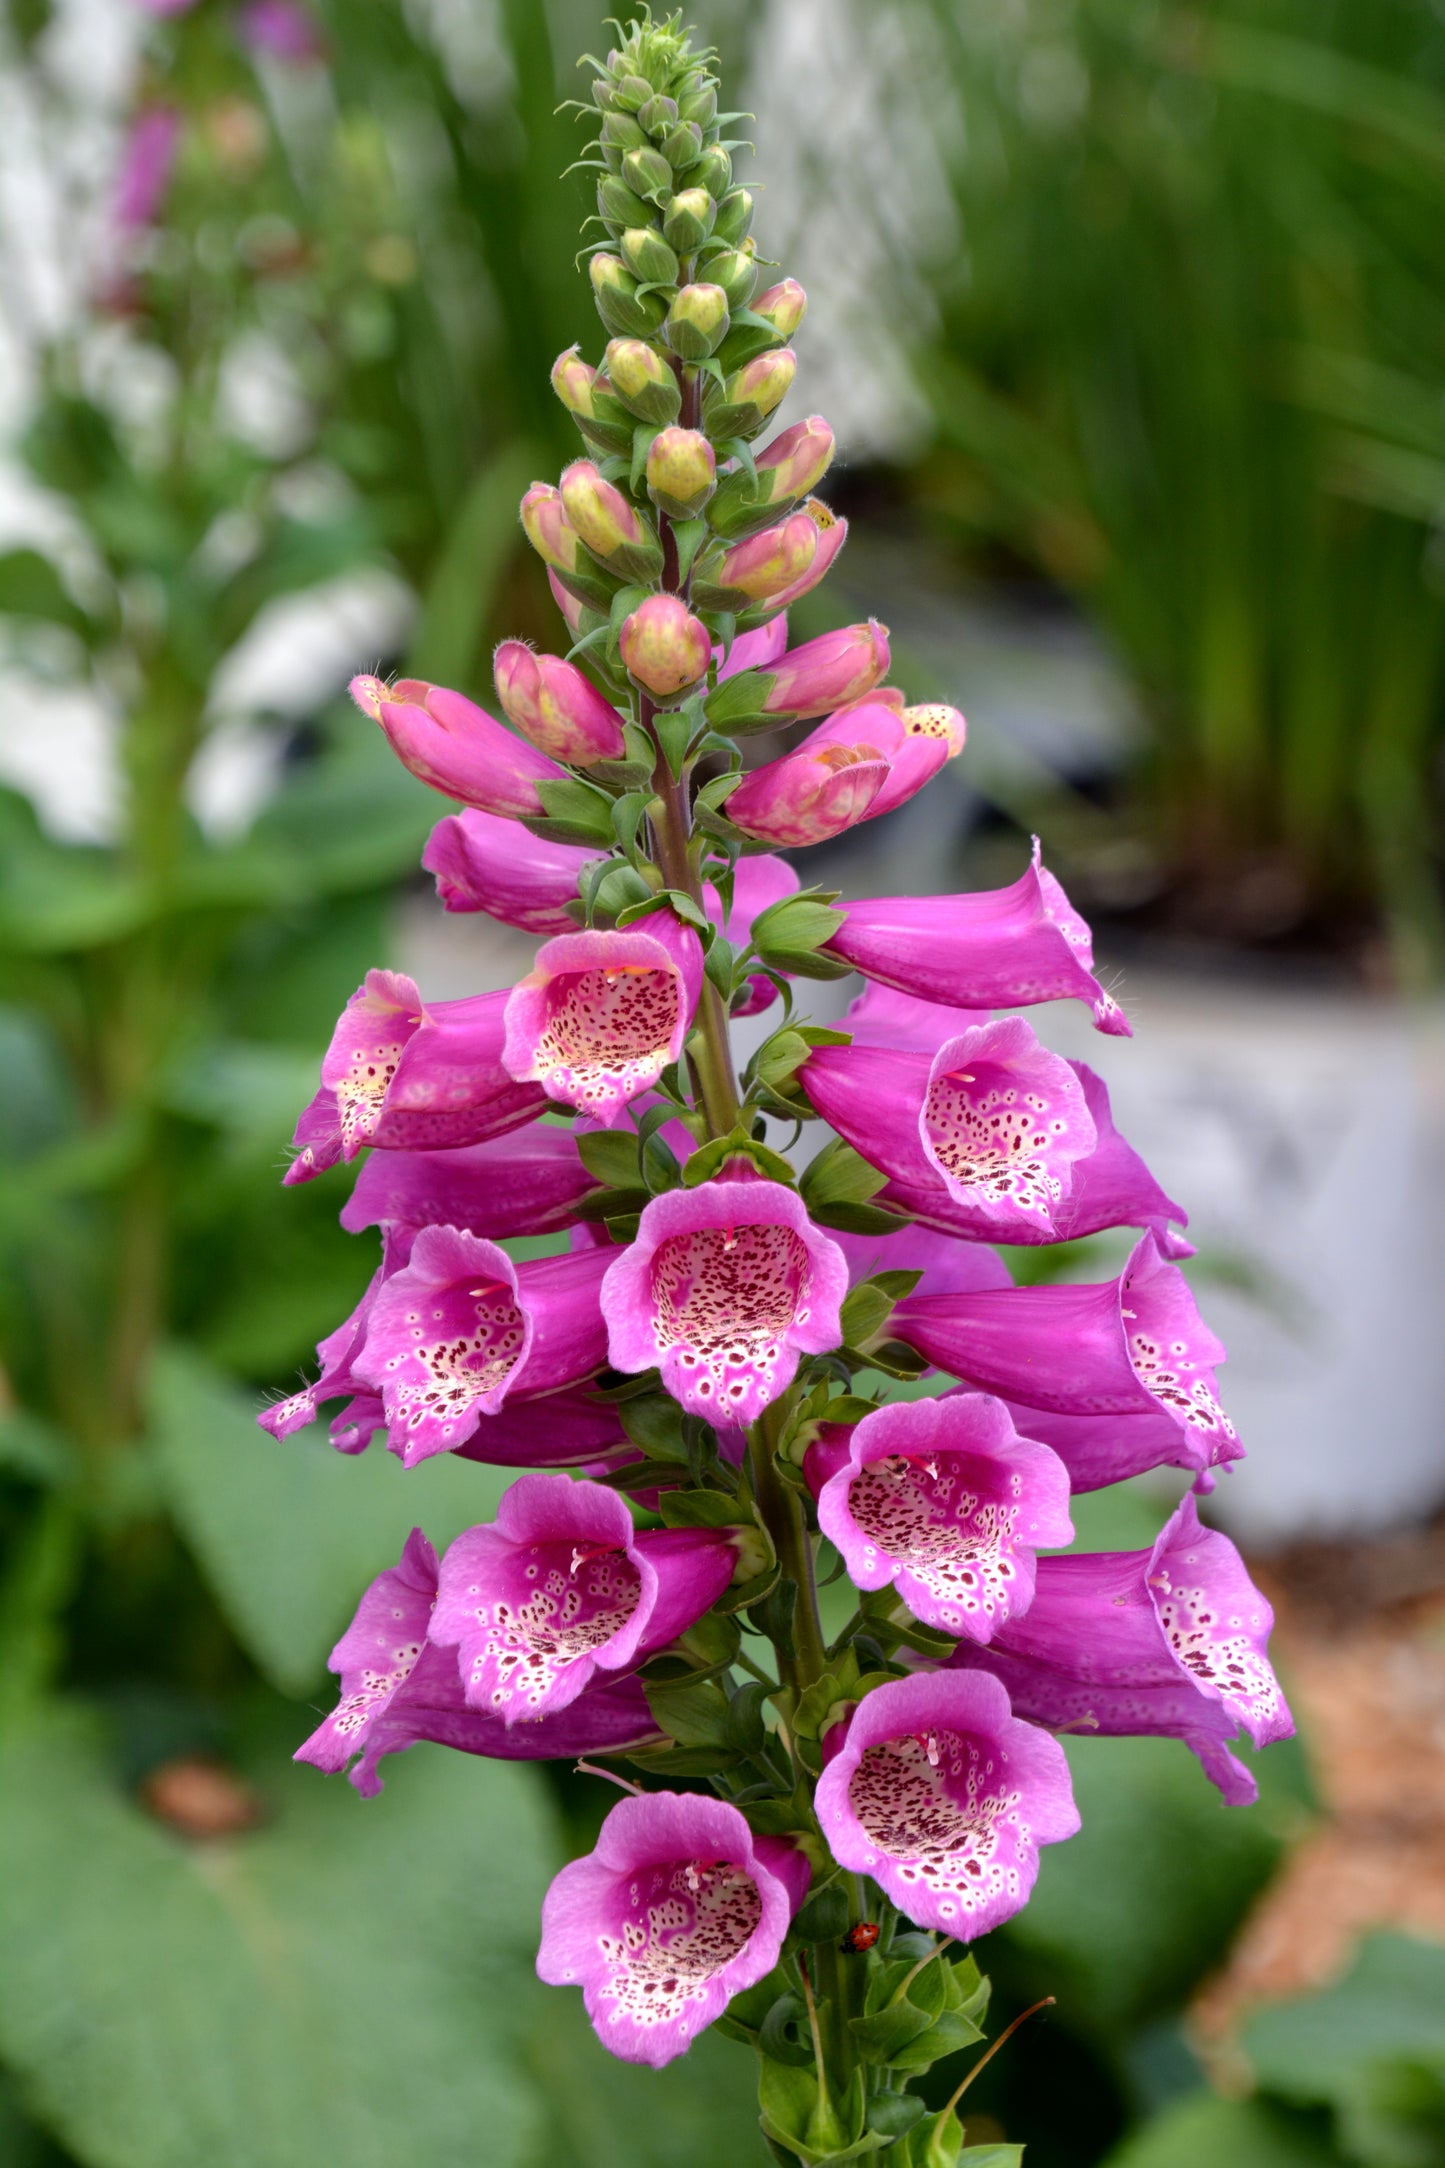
x,y
736,272
647,172
681,472
751,394
618,207
620,132
607,426
625,312
734,215
688,219
643,382
714,172
647,255
781,309
680,148
700,105
659,115
631,93
697,322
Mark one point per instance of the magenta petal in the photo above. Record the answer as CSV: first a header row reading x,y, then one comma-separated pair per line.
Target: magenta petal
x,y
946,1265
944,1799
754,650
485,863
527,1184
882,1016
1003,1122
566,1429
1001,949
338,1354
674,1913
724,1288
603,1014
944,1500
448,741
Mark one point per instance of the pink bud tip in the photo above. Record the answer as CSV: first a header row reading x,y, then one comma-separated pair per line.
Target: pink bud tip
x,y
555,706
664,646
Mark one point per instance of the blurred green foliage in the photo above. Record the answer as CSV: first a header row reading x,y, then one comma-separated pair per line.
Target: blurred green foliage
x,y
332,1979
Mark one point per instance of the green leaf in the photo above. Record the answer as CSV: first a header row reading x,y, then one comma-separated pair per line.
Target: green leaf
x,y
884,2035
694,1715
576,812
701,1509
653,1422
31,587
704,1163
839,1175
290,1532
168,2002
611,1155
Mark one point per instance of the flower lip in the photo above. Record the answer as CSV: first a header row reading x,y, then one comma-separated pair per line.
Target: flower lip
x,y
601,1014
944,1799
1004,1121
725,1287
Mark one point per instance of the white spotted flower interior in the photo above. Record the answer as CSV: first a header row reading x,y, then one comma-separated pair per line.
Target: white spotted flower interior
x,y
724,1288
946,1501
561,1586
1003,1121
678,1909
944,1798
601,1015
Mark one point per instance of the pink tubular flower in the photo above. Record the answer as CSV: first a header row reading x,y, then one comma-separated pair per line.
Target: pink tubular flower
x,y
1003,948
913,759
145,168
881,1016
945,1501
823,674
461,1328
398,1689
664,647
337,1377
879,1099
448,741
678,1909
762,570
725,1287
944,1799
406,1077
1167,1643
561,1588
753,650
602,1014
570,607
485,863
808,796
529,1184
794,463
1134,1347
946,1265
832,533
556,707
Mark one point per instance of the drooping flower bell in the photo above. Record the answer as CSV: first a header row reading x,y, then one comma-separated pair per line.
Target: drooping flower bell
x,y
678,1909
560,1590
601,1015
725,1288
448,741
944,1798
530,1183
1168,1643
482,863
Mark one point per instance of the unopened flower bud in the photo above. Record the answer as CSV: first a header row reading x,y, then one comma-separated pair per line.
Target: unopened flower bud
x,y
618,207
758,570
658,115
793,464
808,797
750,395
734,216
608,524
697,322
700,105
819,678
555,707
625,312
558,544
688,219
620,134
714,172
664,647
448,741
681,146
681,471
648,256
832,532
642,380
784,305
935,719
736,271
631,93
647,172
572,380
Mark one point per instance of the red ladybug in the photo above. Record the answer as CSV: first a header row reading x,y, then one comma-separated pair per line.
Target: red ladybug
x,y
861,1937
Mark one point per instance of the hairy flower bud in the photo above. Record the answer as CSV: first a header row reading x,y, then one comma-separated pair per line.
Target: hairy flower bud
x,y
558,544
688,220
648,256
659,115
736,271
448,741
760,569
784,305
607,523
631,93
620,134
823,675
681,471
793,464
714,172
664,646
625,313
646,172
681,146
750,395
555,707
572,380
700,105
831,532
642,380
697,322
734,217
618,207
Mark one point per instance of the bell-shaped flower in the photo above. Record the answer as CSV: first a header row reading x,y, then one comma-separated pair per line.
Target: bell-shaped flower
x,y
556,706
944,1798
1001,948
938,1129
528,1184
1134,1346
408,1077
945,1502
561,1590
914,757
678,1909
399,1689
448,741
725,1288
832,533
461,1329
882,1016
483,863
823,674
1165,1643
336,1355
808,796
601,1015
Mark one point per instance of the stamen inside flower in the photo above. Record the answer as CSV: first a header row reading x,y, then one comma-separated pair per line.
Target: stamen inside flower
x,y
674,1929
